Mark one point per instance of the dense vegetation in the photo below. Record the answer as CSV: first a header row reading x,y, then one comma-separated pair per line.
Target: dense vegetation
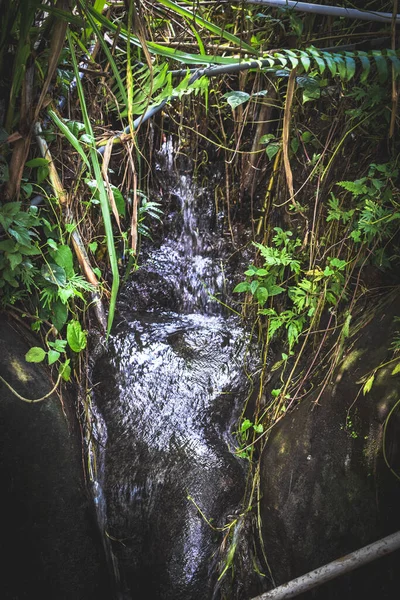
x,y
300,110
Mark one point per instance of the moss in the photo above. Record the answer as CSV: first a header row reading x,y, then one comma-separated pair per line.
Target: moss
x,y
350,360
20,370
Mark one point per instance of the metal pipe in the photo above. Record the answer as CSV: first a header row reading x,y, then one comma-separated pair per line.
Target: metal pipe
x,y
333,569
211,71
334,11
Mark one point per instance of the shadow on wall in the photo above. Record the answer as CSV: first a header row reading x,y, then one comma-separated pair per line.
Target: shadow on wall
x,y
49,541
326,488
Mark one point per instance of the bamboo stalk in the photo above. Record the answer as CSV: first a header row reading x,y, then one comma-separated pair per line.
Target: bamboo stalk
x,y
330,571
333,11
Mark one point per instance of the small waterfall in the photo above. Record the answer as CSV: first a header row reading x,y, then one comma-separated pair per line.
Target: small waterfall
x,y
167,395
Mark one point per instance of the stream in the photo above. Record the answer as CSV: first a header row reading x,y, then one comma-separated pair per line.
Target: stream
x,y
168,393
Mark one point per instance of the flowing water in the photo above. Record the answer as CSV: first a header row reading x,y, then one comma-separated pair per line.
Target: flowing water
x,y
167,395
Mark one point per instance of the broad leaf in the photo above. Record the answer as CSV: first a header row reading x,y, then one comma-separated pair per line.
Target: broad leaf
x,y
75,336
35,355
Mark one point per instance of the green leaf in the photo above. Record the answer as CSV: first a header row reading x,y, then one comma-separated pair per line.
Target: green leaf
x,y
76,337
366,65
381,65
330,62
396,369
235,99
305,60
350,66
58,345
66,130
63,258
265,139
272,150
245,425
54,274
293,58
318,59
193,16
119,201
341,65
8,246
65,370
52,356
52,244
37,162
35,355
241,287
15,259
395,61
275,290
368,385
253,286
42,174
58,315
294,145
262,295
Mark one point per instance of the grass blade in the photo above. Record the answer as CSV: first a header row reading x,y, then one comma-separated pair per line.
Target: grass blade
x,y
105,209
193,17
70,136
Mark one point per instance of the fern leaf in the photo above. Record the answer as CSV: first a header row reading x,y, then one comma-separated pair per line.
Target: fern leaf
x,y
330,62
341,65
293,58
381,65
366,65
350,65
318,59
395,61
305,60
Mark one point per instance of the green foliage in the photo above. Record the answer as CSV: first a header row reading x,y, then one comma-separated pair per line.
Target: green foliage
x,y
18,246
76,337
245,436
374,214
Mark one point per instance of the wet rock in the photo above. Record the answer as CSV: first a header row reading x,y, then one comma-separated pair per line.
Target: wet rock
x,y
168,393
326,488
50,545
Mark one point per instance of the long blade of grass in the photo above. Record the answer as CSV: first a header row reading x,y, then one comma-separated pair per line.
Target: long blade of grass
x,y
183,57
193,17
105,208
62,14
70,136
108,54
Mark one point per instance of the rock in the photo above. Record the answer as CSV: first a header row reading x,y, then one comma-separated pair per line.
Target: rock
x,y
326,488
49,540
